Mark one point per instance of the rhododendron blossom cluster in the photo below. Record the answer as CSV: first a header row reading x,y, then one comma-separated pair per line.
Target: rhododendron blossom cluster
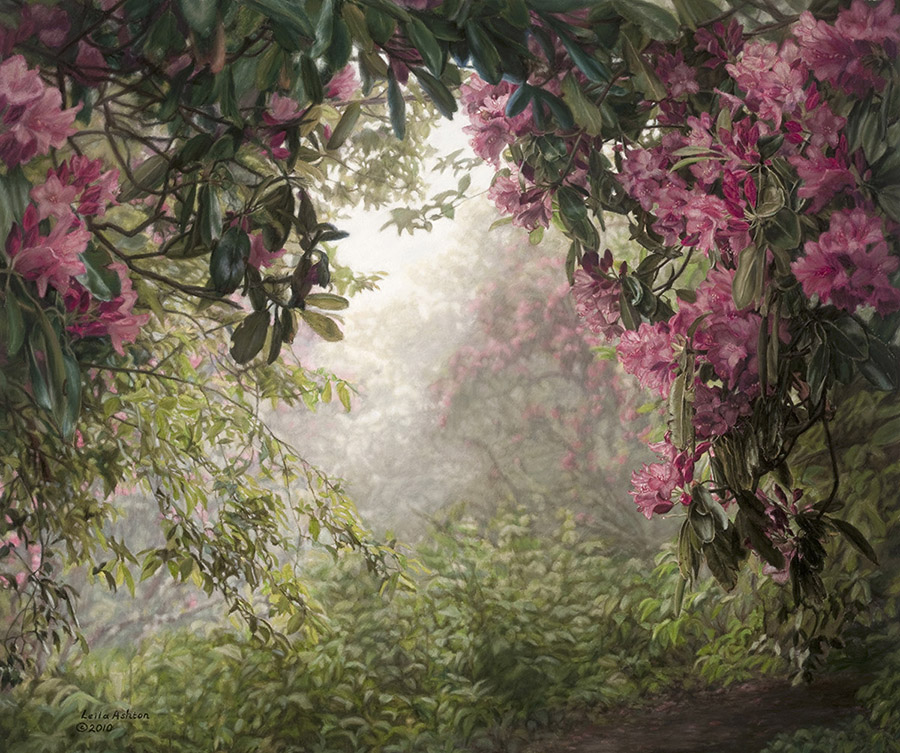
x,y
752,178
32,119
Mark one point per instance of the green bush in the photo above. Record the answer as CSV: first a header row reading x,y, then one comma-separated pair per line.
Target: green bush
x,y
506,630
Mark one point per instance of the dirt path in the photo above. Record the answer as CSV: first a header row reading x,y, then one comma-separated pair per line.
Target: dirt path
x,y
741,719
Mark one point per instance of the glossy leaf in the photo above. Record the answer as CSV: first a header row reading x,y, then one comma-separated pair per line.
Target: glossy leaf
x,y
200,15
103,282
856,538
148,177
209,215
438,93
327,301
397,106
749,278
14,190
229,261
344,127
249,337
324,326
485,57
15,325
655,21
586,114
423,40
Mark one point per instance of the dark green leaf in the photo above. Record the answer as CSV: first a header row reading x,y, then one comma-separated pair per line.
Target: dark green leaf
x,y
856,538
397,106
72,392
249,337
380,25
848,337
751,528
559,109
519,100
889,200
646,78
702,498
694,13
15,325
437,92
228,261
14,193
324,28
200,15
586,114
209,215
37,371
881,367
485,57
589,66
426,44
285,15
680,407
194,150
678,598
702,523
312,81
572,205
817,371
148,177
338,54
103,282
656,22
275,341
722,560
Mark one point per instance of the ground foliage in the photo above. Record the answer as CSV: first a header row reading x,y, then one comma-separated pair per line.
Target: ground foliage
x,y
512,628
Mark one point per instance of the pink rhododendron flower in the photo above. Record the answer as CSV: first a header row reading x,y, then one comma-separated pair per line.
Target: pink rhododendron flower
x,y
19,85
843,54
530,208
822,177
850,264
79,181
343,84
115,319
721,42
51,24
490,128
90,65
260,256
647,353
33,120
704,216
823,126
54,199
48,260
654,484
774,79
597,302
679,78
281,110
716,411
725,337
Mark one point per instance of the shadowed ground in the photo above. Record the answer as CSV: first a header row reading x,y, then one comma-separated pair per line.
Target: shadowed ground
x,y
740,719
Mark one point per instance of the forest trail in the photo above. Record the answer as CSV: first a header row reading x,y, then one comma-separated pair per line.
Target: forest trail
x,y
740,719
